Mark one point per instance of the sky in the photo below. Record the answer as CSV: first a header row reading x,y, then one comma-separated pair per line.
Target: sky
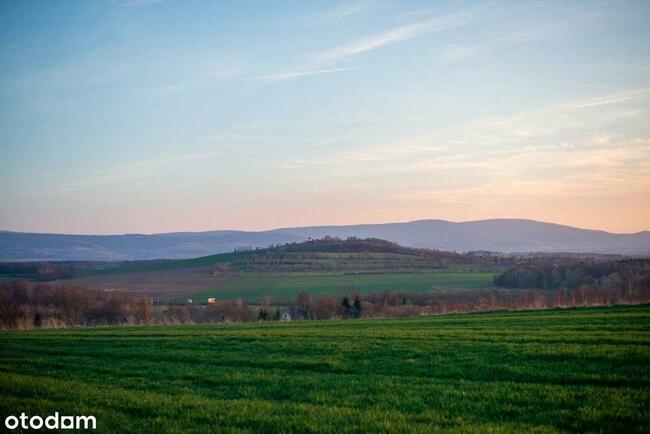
x,y
148,116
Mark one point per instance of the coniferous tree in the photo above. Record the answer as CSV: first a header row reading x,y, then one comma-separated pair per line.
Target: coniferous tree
x,y
263,315
356,307
347,307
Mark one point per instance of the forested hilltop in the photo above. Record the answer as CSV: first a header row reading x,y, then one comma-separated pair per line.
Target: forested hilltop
x,y
356,255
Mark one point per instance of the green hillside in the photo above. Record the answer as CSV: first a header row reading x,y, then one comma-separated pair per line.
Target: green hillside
x,y
328,255
286,287
319,266
582,370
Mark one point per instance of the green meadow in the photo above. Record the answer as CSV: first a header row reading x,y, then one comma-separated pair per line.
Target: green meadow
x,y
254,288
575,370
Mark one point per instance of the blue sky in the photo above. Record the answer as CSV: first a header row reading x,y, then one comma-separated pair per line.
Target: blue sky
x,y
150,116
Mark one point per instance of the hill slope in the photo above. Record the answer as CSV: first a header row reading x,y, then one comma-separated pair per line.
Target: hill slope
x,y
503,235
317,266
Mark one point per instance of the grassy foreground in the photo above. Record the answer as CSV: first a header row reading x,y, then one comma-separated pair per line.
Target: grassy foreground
x,y
542,371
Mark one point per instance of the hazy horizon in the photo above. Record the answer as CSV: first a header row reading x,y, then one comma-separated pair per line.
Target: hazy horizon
x,y
150,116
264,229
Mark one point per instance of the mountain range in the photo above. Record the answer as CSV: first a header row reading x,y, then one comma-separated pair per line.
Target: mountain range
x,y
497,235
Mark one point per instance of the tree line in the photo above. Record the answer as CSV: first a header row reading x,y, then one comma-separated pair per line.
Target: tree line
x,y
386,304
26,305
570,274
41,271
366,245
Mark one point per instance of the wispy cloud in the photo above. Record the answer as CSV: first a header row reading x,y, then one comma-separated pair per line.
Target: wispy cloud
x,y
326,61
583,173
604,100
398,34
525,23
298,74
588,144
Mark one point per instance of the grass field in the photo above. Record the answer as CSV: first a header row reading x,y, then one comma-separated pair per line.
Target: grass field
x,y
542,371
286,287
198,283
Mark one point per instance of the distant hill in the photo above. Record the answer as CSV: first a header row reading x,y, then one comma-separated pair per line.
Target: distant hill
x,y
324,266
352,255
498,235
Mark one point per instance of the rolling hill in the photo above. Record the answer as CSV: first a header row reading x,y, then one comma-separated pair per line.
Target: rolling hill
x,y
499,235
317,266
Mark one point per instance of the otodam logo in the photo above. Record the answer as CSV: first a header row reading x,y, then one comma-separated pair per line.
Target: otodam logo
x,y
54,421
